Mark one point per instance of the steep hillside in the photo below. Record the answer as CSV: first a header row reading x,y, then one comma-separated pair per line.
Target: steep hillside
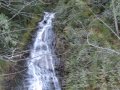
x,y
87,40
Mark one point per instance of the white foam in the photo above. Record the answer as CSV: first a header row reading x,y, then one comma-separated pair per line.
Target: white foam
x,y
41,66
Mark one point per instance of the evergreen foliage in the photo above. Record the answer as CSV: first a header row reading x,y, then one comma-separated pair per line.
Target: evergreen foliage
x,y
94,50
7,39
88,40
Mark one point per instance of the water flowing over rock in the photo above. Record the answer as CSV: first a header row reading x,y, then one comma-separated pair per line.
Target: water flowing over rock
x,y
41,65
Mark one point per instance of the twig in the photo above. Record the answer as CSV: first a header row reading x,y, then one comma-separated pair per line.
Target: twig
x,y
16,31
3,75
115,18
26,14
43,2
17,13
108,49
105,25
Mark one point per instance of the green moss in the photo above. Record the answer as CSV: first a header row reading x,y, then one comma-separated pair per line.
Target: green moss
x,y
4,68
4,65
27,35
102,36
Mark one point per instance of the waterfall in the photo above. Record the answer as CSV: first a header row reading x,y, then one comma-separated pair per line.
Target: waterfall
x,y
41,68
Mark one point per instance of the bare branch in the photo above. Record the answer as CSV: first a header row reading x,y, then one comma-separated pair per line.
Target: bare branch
x,y
108,49
106,25
17,13
115,18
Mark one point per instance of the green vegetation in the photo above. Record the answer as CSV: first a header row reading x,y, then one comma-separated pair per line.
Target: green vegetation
x,y
7,40
88,39
93,54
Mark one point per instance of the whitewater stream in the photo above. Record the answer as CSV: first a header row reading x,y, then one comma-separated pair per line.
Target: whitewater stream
x,y
41,68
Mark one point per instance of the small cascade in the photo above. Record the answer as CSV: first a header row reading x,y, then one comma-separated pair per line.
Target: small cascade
x,y
41,68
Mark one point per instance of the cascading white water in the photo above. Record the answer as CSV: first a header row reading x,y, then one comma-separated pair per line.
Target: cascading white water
x,y
41,68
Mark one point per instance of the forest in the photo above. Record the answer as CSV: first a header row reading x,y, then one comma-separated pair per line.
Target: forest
x,y
87,41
